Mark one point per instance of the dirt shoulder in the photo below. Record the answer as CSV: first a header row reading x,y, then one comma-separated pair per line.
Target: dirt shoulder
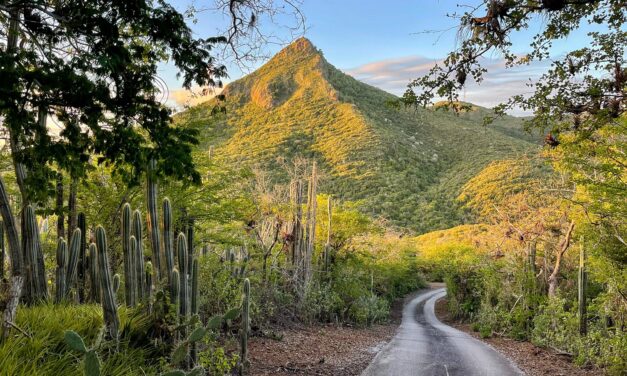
x,y
322,349
532,360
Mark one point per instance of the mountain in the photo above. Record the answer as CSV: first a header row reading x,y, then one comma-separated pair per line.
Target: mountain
x,y
406,165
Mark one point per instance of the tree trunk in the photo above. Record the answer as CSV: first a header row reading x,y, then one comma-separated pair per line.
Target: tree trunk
x,y
15,248
8,318
554,277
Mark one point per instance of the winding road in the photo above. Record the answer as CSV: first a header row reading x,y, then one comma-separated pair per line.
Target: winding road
x,y
425,346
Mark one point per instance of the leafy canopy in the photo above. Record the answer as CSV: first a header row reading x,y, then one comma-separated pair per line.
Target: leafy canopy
x,y
90,68
587,85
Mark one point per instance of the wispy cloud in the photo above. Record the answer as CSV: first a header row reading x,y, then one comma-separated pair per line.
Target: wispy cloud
x,y
499,83
181,98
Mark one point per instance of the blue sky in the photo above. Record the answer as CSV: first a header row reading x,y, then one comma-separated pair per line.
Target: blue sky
x,y
384,42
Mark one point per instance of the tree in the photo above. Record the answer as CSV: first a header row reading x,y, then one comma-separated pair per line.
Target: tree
x,y
588,86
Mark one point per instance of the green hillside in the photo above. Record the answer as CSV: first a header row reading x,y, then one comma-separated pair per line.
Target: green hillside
x,y
404,165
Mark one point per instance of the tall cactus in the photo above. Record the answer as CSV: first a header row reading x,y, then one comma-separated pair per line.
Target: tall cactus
x,y
60,281
175,287
94,276
33,256
245,327
153,217
194,283
138,233
149,272
72,265
109,306
581,284
132,278
181,248
82,262
167,238
190,244
130,281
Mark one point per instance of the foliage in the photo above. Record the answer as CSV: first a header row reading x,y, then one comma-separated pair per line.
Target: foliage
x,y
587,83
101,90
392,163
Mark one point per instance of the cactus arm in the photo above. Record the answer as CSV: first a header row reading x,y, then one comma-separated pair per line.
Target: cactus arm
x,y
75,243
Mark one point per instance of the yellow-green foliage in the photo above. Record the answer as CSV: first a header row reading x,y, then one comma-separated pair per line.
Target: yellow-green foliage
x,y
404,165
481,237
39,348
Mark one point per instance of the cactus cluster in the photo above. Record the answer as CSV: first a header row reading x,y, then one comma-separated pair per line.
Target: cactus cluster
x,y
33,257
66,265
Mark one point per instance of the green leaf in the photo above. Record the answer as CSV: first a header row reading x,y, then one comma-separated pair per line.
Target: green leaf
x,y
92,364
232,314
174,373
215,322
197,335
179,353
75,341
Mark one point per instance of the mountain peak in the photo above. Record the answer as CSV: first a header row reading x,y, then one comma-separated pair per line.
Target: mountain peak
x,y
301,45
300,65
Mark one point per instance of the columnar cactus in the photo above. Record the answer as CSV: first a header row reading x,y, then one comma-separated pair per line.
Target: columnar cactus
x,y
61,279
194,283
93,274
130,281
149,273
116,283
190,244
581,284
138,233
245,327
75,244
109,305
184,304
82,262
153,217
33,256
175,287
132,278
168,239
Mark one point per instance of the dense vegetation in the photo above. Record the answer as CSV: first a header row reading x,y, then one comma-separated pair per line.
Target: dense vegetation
x,y
405,166
312,199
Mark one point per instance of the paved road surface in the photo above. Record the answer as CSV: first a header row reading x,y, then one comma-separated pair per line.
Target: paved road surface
x,y
425,346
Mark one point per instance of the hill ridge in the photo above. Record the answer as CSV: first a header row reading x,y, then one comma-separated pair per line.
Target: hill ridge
x,y
404,165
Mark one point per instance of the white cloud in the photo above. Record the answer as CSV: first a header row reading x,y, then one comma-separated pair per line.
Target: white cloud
x,y
180,98
499,83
